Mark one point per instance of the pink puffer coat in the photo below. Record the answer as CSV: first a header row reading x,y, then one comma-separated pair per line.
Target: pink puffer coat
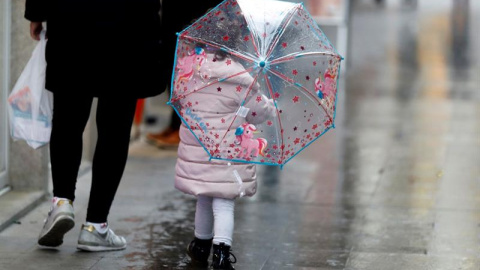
x,y
195,174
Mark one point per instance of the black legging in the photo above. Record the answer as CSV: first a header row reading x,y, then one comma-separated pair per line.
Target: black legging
x,y
114,120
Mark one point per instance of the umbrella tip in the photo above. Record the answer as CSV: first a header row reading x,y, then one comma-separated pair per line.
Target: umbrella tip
x,y
262,64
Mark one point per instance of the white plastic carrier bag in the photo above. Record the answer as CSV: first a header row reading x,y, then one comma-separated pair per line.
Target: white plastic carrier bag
x,y
30,105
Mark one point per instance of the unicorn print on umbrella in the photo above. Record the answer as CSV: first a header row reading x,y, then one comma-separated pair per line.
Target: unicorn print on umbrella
x,y
325,87
249,145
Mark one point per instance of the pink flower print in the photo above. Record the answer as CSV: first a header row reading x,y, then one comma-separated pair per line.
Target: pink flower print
x,y
223,120
315,126
269,123
276,95
239,88
258,99
228,62
295,99
296,141
294,72
226,38
246,38
284,45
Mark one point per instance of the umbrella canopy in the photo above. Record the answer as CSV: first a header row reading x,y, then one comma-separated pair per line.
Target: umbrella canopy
x,y
255,81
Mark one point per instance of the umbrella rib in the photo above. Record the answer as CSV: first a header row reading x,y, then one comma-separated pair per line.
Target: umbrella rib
x,y
252,31
277,38
254,44
291,57
290,80
230,51
212,83
235,118
270,89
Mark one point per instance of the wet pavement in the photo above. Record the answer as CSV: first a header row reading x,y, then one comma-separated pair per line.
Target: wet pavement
x,y
395,186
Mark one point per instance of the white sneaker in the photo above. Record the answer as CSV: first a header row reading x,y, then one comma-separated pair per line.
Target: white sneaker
x,y
91,240
60,220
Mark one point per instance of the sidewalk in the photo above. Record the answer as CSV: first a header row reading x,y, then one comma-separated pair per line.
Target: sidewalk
x,y
157,221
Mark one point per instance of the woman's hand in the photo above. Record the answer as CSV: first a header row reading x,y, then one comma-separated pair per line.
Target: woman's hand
x,y
35,29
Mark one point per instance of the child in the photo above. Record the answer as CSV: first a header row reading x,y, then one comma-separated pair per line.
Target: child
x,y
214,182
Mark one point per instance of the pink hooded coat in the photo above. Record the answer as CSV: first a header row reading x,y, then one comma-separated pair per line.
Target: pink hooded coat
x,y
217,105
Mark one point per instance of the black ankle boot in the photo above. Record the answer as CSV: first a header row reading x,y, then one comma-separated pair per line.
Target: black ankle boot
x,y
199,250
221,257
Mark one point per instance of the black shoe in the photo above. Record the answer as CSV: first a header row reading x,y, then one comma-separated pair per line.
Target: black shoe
x,y
221,257
199,251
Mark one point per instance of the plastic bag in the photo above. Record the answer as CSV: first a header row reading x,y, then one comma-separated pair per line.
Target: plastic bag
x,y
30,104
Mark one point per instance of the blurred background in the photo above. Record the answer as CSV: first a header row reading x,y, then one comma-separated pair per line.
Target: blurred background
x,y
395,186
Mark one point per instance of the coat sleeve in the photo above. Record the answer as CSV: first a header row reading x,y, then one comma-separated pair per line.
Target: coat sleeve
x,y
36,10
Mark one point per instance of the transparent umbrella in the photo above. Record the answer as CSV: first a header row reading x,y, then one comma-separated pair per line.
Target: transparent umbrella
x,y
255,81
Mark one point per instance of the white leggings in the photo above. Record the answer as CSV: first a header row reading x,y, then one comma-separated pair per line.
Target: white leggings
x,y
214,218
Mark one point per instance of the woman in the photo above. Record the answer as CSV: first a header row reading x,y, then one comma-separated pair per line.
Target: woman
x,y
105,49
